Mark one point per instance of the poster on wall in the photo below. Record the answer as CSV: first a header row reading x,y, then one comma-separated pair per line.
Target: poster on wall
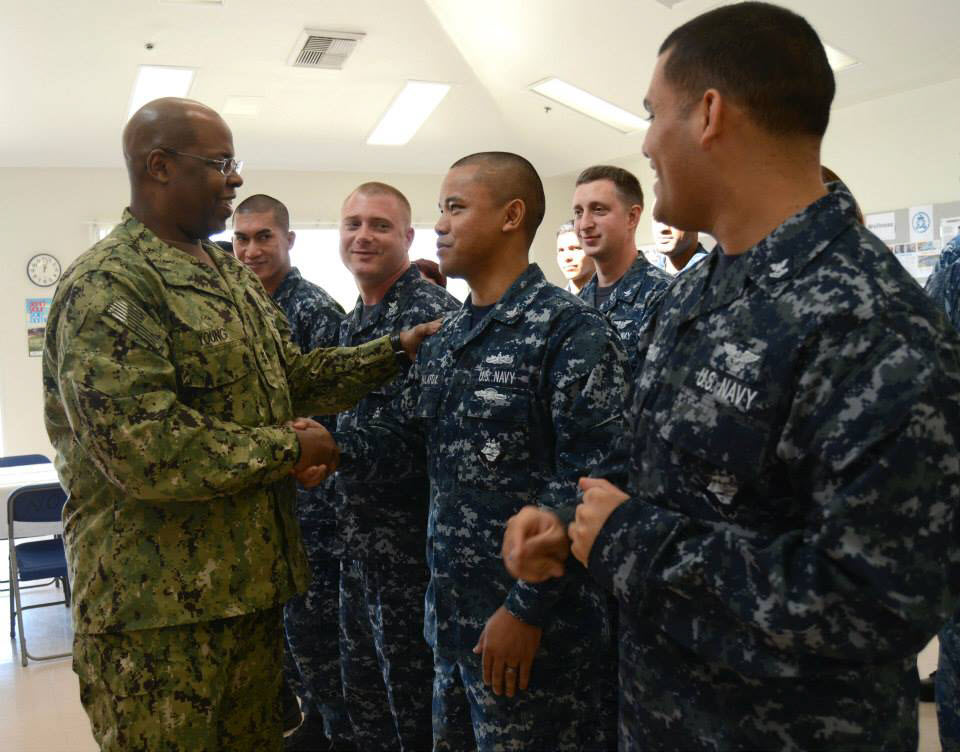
x,y
921,223
37,310
883,225
949,229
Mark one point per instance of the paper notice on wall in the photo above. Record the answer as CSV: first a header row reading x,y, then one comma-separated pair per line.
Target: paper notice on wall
x,y
921,223
883,225
37,310
949,229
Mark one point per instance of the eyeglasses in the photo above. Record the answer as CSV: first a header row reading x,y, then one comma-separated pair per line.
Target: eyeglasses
x,y
225,167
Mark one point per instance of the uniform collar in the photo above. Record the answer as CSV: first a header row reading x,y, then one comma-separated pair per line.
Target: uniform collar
x,y
772,262
788,249
288,285
178,268
507,310
624,289
392,305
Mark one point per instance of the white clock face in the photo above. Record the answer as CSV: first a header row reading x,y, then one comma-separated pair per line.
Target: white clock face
x,y
43,270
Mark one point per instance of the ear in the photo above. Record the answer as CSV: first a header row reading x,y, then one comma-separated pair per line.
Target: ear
x,y
711,117
633,216
516,212
291,239
158,166
408,236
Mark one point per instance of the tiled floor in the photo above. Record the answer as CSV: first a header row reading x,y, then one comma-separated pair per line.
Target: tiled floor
x,y
40,707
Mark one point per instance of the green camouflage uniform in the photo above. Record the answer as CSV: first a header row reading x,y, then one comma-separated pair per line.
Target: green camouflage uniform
x,y
167,384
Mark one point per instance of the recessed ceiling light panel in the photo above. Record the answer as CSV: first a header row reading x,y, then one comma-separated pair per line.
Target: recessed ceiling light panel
x,y
838,59
155,81
587,104
409,110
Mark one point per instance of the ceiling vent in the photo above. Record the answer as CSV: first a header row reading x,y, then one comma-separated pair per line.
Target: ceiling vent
x,y
323,49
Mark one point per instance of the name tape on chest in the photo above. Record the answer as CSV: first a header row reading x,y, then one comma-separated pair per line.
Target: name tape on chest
x,y
726,389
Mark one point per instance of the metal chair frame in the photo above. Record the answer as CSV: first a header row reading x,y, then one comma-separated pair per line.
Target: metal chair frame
x,y
18,609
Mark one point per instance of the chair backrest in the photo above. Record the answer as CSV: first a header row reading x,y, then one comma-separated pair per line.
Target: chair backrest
x,y
14,460
42,502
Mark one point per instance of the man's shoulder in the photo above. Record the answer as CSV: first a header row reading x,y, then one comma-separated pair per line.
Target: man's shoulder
x,y
115,258
428,297
559,309
309,296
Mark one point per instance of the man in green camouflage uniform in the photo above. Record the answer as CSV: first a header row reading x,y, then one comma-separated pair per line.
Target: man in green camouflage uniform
x,y
169,383
787,542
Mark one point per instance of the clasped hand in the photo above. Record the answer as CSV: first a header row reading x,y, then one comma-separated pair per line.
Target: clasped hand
x,y
536,545
319,454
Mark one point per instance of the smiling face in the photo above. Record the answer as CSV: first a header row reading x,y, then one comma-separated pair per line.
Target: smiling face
x,y
201,197
670,241
375,237
602,219
573,262
263,245
470,225
672,146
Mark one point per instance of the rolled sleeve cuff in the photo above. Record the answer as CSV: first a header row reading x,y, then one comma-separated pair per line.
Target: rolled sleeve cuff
x,y
531,603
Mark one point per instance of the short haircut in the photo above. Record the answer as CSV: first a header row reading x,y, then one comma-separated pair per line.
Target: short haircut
x,y
374,188
766,58
626,183
509,176
565,227
259,203
431,270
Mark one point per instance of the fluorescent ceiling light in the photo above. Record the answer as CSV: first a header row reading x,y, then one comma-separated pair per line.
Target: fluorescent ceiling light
x,y
155,81
587,104
411,107
839,60
247,106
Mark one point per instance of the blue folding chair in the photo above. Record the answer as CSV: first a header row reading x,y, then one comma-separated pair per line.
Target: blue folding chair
x,y
15,460
35,560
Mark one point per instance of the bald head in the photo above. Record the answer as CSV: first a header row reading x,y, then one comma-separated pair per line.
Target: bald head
x,y
176,152
507,177
169,122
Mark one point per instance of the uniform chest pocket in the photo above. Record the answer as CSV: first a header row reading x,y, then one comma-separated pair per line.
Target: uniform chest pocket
x,y
718,451
496,439
202,365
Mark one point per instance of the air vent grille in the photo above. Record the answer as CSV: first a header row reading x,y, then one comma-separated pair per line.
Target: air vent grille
x,y
324,49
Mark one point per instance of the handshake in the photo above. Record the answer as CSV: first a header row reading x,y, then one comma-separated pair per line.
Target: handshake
x,y
319,454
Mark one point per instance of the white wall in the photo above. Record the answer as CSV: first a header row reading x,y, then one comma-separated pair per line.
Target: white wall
x,y
52,210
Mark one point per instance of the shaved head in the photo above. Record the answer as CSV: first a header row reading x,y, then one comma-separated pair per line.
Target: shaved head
x,y
507,177
168,122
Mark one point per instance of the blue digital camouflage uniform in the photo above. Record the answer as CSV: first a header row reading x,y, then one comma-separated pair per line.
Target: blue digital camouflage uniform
x,y
790,542
628,309
312,661
507,412
387,665
630,302
167,385
943,286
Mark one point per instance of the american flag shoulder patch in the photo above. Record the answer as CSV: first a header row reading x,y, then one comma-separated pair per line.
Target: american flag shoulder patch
x,y
134,318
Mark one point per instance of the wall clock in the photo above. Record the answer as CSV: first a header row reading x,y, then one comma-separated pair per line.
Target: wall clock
x,y
43,270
